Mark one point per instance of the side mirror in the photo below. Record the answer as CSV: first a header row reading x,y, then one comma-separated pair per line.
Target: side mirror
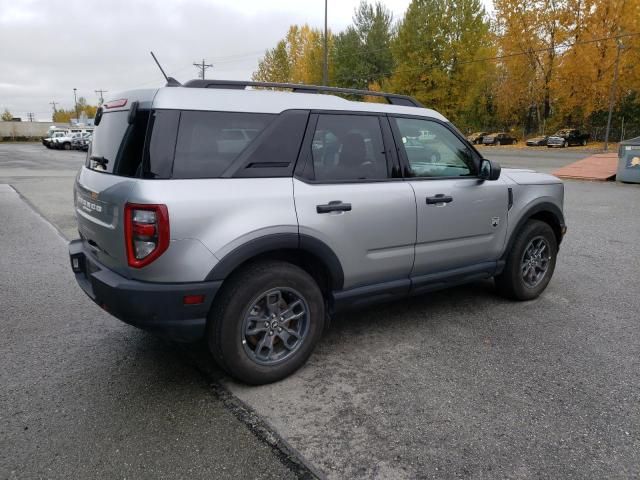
x,y
489,170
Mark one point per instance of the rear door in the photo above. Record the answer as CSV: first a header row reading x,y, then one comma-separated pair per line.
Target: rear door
x,y
347,195
461,219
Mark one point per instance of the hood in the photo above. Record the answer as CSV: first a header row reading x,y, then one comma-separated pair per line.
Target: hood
x,y
523,176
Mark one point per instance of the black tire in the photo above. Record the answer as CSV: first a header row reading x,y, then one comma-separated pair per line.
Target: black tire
x,y
510,283
226,322
565,144
584,143
67,146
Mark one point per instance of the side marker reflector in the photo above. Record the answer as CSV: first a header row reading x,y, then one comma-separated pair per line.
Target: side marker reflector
x,y
193,299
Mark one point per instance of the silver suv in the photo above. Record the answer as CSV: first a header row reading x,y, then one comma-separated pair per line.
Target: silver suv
x,y
248,216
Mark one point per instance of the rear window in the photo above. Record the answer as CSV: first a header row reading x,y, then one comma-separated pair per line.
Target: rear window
x,y
208,142
117,145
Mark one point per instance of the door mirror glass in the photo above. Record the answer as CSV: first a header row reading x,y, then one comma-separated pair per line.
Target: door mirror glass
x,y
489,170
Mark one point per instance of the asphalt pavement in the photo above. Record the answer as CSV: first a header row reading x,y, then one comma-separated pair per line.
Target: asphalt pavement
x,y
84,396
455,384
541,159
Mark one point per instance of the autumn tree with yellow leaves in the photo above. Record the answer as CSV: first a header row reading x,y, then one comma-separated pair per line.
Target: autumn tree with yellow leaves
x,y
529,66
61,115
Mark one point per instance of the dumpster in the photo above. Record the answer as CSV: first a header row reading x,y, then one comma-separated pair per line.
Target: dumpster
x,y
629,161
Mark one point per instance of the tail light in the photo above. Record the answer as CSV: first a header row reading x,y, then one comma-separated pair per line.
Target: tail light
x,y
146,233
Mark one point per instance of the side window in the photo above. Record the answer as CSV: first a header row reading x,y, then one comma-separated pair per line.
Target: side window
x,y
348,147
432,150
208,142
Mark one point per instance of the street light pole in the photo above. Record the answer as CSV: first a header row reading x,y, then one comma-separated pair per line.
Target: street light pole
x,y
612,94
75,100
325,69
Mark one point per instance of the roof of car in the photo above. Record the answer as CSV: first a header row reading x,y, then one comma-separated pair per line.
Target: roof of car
x,y
263,101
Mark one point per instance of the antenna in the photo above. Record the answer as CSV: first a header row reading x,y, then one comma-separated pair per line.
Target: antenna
x,y
159,66
171,82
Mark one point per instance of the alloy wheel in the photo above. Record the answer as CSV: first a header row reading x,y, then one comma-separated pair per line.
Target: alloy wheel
x,y
275,325
535,261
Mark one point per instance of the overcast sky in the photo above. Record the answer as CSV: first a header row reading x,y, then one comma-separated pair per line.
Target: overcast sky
x,y
49,47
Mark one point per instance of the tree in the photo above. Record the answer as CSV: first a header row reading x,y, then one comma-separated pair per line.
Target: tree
x,y
64,116
597,27
439,52
89,110
274,67
6,116
297,58
362,53
530,35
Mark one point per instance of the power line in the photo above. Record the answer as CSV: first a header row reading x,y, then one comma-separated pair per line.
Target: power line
x,y
202,67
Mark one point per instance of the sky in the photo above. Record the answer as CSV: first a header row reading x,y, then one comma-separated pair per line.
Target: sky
x,y
48,48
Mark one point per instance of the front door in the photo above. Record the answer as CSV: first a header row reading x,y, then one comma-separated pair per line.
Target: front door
x,y
461,219
347,198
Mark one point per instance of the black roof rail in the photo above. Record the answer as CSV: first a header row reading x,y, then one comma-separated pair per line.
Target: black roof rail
x,y
392,98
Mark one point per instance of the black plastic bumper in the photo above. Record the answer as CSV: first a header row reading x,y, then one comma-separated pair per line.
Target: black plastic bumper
x,y
156,307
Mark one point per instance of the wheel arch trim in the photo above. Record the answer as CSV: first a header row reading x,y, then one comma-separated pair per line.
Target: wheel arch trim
x,y
277,242
542,207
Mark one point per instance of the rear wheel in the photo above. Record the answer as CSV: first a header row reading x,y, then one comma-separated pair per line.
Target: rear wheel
x,y
584,143
266,322
67,146
565,144
530,263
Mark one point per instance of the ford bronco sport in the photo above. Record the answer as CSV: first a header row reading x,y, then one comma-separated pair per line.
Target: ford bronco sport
x,y
247,216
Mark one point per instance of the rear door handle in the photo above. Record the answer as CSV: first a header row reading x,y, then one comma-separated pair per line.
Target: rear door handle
x,y
334,206
439,198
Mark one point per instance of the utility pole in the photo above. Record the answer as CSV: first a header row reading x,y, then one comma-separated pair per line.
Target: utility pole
x,y
75,100
202,67
30,115
325,67
55,110
612,94
101,92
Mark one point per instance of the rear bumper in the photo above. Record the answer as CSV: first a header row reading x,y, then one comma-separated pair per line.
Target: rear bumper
x,y
155,307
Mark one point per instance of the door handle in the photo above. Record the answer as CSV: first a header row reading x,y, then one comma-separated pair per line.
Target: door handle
x,y
334,206
439,198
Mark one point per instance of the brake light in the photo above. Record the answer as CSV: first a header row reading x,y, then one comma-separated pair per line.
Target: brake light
x,y
115,103
146,233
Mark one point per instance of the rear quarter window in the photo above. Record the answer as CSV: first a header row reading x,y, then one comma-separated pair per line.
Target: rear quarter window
x,y
208,142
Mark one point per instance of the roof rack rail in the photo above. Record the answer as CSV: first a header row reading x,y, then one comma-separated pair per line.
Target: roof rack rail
x,y
392,98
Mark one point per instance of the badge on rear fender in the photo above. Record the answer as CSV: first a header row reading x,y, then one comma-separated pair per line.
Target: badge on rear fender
x,y
495,221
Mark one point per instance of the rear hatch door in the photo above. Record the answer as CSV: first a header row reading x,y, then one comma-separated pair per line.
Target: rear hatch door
x,y
104,184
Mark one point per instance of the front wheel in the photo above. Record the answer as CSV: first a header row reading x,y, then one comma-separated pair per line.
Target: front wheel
x,y
265,322
530,263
